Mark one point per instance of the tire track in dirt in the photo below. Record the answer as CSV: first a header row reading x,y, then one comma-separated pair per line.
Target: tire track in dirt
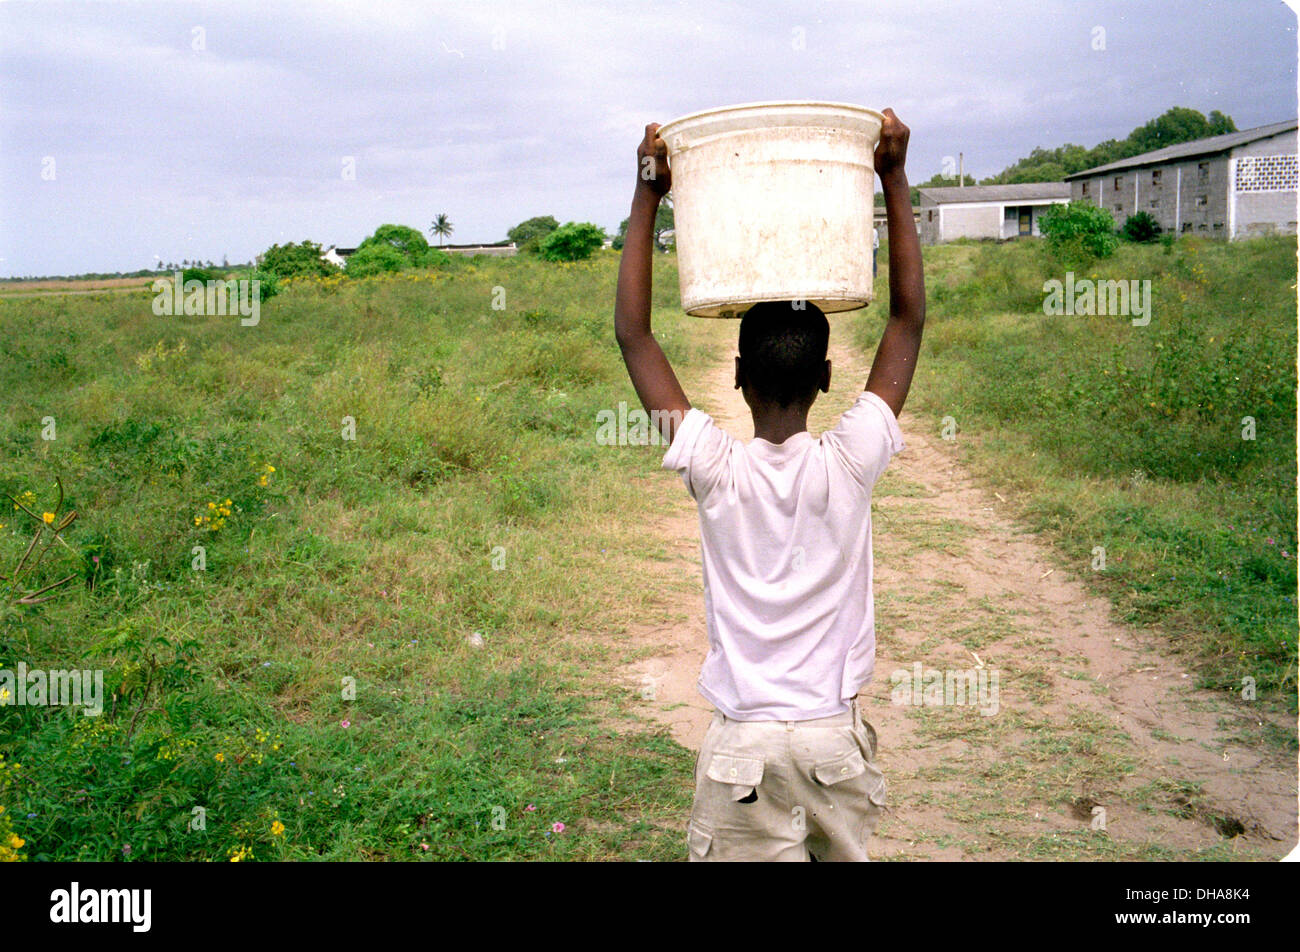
x,y
1101,746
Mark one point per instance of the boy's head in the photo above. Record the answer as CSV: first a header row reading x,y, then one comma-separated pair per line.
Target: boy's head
x,y
782,360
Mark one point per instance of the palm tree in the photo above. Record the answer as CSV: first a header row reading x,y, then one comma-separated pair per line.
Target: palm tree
x,y
441,226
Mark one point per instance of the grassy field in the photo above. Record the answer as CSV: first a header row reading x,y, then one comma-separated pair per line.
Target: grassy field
x,y
398,646
473,499
1132,439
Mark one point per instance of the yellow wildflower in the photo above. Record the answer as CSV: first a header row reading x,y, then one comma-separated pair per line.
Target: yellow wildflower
x,y
277,828
48,517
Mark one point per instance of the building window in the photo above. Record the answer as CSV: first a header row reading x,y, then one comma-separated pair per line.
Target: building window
x,y
1218,225
1203,169
1011,213
1187,226
1155,177
1202,201
1119,208
1085,189
930,215
1154,203
1119,180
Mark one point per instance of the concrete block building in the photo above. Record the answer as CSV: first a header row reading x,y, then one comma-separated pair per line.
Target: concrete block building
x,y
999,212
1230,186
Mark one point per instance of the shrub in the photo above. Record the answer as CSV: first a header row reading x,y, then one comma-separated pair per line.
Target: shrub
x,y
1079,231
268,285
573,241
394,248
406,241
288,261
528,235
1141,227
433,258
375,259
199,274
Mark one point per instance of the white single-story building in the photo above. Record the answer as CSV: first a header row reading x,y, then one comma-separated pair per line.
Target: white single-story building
x,y
339,256
497,249
336,255
999,212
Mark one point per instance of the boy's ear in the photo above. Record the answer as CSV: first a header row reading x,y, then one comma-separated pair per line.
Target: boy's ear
x,y
826,378
739,378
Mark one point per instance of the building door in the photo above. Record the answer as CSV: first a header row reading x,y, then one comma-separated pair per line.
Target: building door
x,y
1026,220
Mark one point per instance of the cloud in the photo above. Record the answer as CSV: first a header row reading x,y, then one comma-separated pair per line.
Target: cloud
x,y
163,148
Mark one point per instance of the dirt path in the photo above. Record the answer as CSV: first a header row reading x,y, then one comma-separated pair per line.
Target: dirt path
x,y
1095,744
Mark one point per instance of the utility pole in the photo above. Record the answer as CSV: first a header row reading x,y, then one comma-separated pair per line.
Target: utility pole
x,y
961,170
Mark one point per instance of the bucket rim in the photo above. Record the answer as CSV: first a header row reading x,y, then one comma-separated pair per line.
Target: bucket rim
x,y
746,106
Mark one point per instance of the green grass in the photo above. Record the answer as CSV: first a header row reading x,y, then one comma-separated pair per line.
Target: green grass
x,y
474,498
1130,438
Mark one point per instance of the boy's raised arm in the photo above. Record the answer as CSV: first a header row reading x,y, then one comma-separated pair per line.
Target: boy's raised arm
x,y
891,371
651,374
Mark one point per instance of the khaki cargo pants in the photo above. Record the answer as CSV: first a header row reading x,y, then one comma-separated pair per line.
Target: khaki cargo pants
x,y
786,790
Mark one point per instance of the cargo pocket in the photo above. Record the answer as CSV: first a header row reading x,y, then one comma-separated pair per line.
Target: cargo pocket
x,y
743,774
853,766
699,839
846,767
872,748
858,789
876,793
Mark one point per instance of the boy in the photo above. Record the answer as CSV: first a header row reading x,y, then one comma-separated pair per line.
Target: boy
x,y
787,767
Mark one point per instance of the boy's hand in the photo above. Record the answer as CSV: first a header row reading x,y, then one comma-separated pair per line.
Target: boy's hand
x,y
891,151
652,162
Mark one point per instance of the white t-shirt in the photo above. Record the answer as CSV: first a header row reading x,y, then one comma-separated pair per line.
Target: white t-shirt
x,y
785,531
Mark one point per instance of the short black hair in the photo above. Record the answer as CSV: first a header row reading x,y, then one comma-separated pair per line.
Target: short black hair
x,y
783,347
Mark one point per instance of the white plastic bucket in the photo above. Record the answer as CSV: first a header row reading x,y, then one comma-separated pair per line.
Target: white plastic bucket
x,y
773,201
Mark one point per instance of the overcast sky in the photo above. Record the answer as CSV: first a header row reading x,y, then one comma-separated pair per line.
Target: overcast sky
x,y
131,132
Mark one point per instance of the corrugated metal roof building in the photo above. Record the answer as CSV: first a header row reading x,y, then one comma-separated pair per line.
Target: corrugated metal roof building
x,y
998,212
1229,186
